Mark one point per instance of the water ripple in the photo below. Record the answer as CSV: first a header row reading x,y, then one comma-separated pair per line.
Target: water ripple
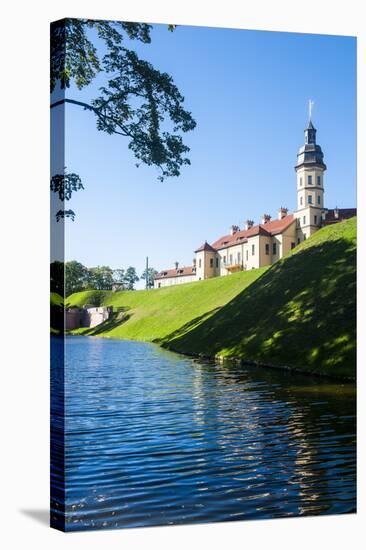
x,y
153,438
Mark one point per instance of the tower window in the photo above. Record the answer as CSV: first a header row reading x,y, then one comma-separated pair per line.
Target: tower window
x,y
304,220
217,262
300,181
274,249
297,222
318,199
298,240
200,263
300,201
310,199
315,220
318,180
267,249
211,262
310,180
253,249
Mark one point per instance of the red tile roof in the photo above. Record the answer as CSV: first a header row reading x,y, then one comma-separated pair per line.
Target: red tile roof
x,y
343,214
270,228
205,246
180,272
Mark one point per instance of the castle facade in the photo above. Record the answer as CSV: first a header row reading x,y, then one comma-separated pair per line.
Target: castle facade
x,y
263,244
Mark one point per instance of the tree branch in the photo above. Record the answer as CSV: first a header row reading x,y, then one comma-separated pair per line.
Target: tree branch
x,y
95,110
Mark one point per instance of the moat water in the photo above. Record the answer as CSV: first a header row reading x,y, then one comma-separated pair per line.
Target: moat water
x,y
155,438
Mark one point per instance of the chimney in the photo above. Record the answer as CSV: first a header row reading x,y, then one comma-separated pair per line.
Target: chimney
x,y
176,265
266,218
234,229
248,224
282,213
336,213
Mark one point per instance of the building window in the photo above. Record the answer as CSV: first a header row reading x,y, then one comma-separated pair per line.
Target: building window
x,y
217,262
274,249
159,285
304,236
200,263
211,262
298,222
304,220
298,240
310,199
292,245
224,259
318,180
267,249
253,249
310,180
239,258
300,201
315,220
231,259
318,199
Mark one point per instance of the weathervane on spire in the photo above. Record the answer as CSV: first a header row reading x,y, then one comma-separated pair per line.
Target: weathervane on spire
x,y
311,103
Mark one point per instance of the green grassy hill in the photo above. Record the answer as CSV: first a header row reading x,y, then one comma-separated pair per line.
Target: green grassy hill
x,y
298,313
152,315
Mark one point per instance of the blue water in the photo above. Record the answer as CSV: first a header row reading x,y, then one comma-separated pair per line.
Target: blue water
x,y
154,438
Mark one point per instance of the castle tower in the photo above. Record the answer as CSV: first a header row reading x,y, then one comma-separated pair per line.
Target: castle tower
x,y
310,170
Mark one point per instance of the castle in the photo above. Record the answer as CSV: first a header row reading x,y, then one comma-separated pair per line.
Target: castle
x,y
265,243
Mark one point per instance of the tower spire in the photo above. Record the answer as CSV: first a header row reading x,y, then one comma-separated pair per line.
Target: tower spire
x,y
311,105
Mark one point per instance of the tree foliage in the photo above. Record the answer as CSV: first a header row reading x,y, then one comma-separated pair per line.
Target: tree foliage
x,y
136,101
73,277
75,274
149,275
130,278
64,184
99,278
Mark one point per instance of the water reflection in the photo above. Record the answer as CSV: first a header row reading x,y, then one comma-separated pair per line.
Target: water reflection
x,y
154,438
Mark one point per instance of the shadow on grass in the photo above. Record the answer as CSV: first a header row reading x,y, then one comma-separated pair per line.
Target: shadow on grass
x,y
301,313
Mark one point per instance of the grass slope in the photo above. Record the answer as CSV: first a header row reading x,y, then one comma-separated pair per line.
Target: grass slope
x,y
151,315
301,312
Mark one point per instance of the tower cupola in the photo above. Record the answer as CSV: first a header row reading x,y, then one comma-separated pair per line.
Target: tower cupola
x,y
310,154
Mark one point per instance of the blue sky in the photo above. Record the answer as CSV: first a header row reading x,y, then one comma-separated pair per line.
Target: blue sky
x,y
248,91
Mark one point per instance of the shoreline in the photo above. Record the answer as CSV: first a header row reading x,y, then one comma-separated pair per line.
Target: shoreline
x,y
229,360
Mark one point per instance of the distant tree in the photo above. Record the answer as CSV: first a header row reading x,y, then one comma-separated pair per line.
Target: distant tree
x,y
135,100
57,277
130,278
148,276
100,278
118,276
75,277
